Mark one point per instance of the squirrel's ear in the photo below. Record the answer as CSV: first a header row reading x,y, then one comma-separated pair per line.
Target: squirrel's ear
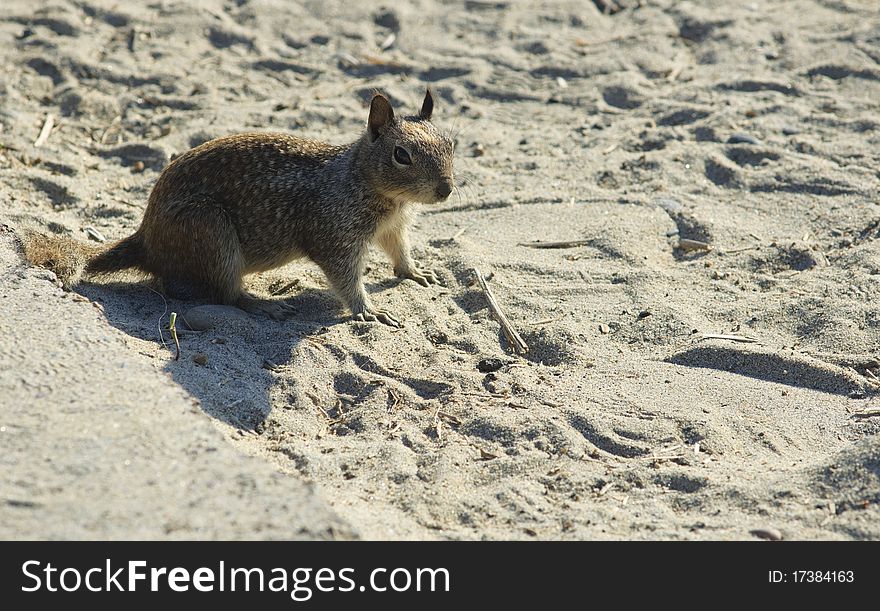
x,y
381,115
427,105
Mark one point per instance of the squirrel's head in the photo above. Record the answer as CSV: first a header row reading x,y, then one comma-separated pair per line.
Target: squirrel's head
x,y
409,159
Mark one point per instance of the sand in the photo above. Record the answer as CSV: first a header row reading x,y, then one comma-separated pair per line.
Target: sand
x,y
751,128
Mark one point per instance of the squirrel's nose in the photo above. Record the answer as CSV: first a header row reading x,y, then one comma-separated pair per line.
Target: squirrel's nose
x,y
444,189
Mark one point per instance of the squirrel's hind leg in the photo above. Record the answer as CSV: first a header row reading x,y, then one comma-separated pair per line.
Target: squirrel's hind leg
x,y
274,309
197,255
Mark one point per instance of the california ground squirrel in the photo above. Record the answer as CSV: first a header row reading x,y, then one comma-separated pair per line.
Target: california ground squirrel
x,y
252,202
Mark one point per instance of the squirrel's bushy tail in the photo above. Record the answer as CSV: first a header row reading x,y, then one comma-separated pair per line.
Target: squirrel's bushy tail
x,y
70,258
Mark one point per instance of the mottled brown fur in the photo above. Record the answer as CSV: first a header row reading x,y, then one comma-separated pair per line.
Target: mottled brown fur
x,y
252,202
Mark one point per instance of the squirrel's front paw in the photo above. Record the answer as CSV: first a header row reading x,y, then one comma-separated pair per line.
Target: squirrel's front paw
x,y
382,316
425,277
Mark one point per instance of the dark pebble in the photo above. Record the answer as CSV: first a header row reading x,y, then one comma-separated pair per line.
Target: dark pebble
x,y
489,365
740,138
537,48
387,19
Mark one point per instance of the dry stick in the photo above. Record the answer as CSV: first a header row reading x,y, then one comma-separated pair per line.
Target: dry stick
x,y
172,325
47,129
692,245
737,250
675,73
285,288
568,244
117,120
459,233
519,345
733,338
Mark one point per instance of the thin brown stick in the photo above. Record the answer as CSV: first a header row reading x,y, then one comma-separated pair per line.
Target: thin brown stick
x,y
285,288
519,345
567,244
734,338
47,129
692,245
867,412
737,250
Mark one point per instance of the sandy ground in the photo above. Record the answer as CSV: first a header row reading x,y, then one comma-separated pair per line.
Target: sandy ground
x,y
751,127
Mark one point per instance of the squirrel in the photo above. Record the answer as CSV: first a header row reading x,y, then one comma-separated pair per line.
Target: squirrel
x,y
255,201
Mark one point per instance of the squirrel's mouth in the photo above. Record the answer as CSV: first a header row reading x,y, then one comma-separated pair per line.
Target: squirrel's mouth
x,y
430,195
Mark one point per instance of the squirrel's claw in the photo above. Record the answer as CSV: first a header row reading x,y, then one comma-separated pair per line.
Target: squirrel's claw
x,y
378,316
425,277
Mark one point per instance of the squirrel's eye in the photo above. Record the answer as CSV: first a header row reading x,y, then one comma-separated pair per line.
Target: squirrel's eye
x,y
401,156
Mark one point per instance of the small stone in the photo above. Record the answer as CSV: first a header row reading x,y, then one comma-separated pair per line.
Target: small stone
x,y
537,47
477,150
200,359
489,365
741,138
790,130
604,329
138,167
769,534
204,317
95,235
668,204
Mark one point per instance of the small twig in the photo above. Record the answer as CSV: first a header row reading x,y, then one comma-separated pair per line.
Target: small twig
x,y
675,73
867,412
543,321
604,489
172,325
451,418
519,345
581,42
692,245
568,244
438,425
388,42
47,129
117,120
285,288
459,233
481,395
733,338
